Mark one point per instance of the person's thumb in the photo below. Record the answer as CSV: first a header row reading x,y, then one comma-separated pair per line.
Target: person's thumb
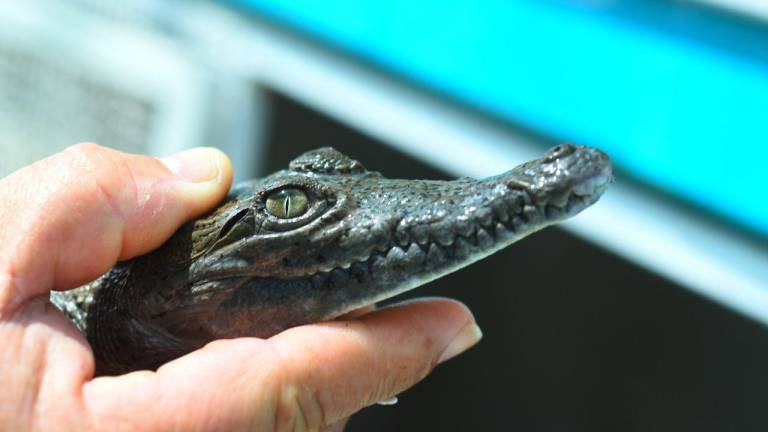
x,y
68,218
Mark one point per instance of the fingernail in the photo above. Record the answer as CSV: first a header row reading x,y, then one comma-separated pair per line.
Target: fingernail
x,y
467,337
195,165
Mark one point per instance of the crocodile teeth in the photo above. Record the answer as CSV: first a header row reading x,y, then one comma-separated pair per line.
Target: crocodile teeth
x,y
465,229
414,253
327,268
560,200
533,215
473,238
377,264
463,247
588,188
318,280
501,212
514,208
402,238
436,254
433,243
420,235
518,223
359,271
484,217
553,212
395,254
443,237
525,199
339,278
484,239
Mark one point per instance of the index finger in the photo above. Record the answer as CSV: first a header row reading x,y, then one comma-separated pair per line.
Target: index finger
x,y
302,379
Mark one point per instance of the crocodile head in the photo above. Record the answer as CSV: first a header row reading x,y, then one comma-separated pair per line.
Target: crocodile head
x,y
327,236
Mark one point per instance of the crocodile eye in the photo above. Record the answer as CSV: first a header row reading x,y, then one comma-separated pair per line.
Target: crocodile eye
x,y
287,203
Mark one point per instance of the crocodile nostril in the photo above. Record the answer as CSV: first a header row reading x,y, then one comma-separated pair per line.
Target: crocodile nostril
x,y
560,151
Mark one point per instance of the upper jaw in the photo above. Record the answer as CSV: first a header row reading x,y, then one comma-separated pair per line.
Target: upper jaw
x,y
527,198
506,207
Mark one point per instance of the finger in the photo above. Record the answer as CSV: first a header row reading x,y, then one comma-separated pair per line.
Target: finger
x,y
373,358
336,427
305,378
68,218
357,313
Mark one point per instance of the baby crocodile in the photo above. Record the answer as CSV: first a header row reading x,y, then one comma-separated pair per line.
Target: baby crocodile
x,y
313,242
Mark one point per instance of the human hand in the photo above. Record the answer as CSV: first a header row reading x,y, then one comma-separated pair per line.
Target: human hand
x,y
67,219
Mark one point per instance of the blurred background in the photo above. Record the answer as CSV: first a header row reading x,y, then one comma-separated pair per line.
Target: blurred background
x,y
646,312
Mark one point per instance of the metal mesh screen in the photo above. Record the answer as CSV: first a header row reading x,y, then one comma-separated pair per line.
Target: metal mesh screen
x,y
135,12
47,105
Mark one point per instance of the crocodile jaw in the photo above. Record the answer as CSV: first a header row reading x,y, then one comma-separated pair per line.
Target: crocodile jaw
x,y
380,238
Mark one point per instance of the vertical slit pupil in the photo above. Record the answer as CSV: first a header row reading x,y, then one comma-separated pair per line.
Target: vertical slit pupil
x,y
287,203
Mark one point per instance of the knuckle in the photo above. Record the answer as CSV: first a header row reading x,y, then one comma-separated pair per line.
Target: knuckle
x,y
105,170
85,155
298,409
90,157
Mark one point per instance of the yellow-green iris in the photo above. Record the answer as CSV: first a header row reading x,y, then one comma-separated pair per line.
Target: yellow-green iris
x,y
287,203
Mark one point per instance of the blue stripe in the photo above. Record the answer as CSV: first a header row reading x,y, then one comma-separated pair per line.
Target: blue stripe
x,y
684,113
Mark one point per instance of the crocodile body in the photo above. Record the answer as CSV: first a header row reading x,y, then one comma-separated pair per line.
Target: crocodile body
x,y
313,242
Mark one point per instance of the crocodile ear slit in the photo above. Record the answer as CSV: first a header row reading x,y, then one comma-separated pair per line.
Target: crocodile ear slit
x,y
231,222
239,226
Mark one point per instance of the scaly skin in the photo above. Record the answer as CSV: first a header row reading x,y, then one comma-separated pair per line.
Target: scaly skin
x,y
251,268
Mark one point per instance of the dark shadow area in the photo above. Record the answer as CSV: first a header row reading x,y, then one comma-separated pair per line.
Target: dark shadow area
x,y
576,338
